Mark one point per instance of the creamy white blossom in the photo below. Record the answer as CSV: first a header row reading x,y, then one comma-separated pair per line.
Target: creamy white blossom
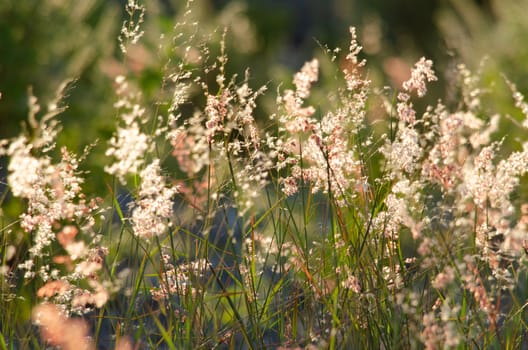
x,y
154,208
129,147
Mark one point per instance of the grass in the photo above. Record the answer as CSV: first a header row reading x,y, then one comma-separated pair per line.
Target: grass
x,y
325,226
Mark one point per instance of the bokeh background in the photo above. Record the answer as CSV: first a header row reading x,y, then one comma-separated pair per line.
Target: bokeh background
x,y
44,42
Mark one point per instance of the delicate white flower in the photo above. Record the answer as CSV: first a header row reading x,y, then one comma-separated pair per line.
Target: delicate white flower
x,y
304,79
129,147
404,152
421,73
26,173
131,30
154,209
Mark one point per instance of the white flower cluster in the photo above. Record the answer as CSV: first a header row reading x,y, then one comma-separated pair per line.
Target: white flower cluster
x,y
304,79
489,184
321,152
26,172
57,211
129,145
421,73
131,30
297,118
154,208
178,279
404,152
53,192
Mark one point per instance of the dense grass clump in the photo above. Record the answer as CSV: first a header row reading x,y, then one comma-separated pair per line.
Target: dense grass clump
x,y
346,218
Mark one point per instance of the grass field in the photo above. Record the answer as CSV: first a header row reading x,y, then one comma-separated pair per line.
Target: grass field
x,y
353,216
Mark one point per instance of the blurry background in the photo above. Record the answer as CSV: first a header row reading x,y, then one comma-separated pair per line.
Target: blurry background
x,y
45,42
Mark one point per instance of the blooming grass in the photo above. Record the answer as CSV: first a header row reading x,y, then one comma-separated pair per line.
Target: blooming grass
x,y
311,229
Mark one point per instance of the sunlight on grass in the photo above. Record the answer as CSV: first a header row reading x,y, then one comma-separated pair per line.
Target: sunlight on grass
x,y
361,219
